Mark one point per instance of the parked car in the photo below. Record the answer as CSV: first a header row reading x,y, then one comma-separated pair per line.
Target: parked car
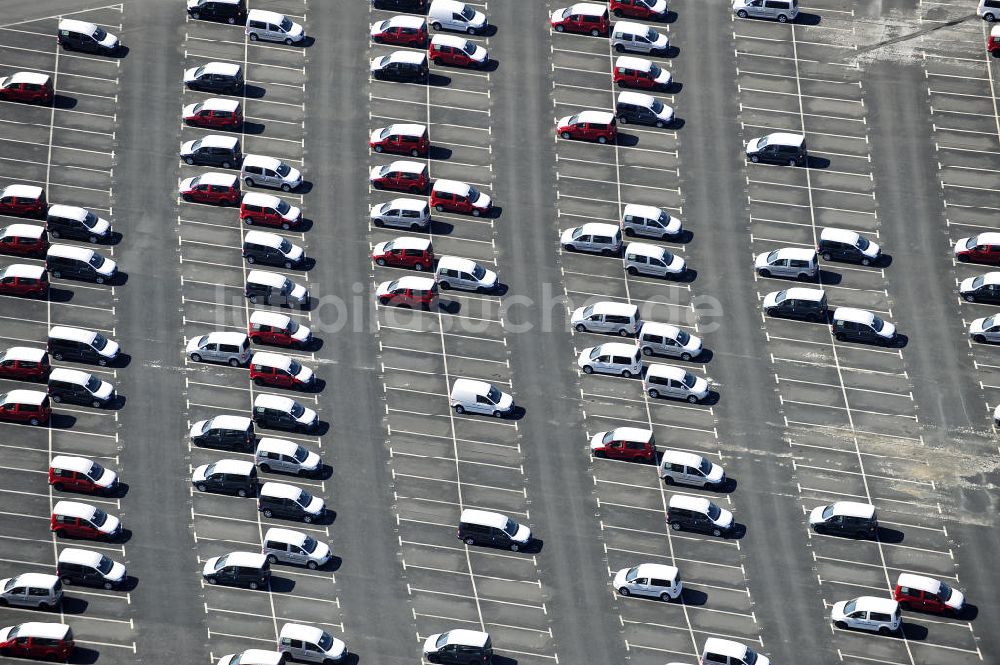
x,y
630,444
583,17
214,188
400,31
29,87
877,615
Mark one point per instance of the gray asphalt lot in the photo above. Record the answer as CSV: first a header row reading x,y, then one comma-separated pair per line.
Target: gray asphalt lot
x,y
903,148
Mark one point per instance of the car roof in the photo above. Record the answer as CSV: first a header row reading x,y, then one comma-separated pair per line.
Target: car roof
x,y
71,375
29,77
786,138
277,445
450,5
803,253
472,638
261,160
604,117
75,334
480,387
407,165
22,396
456,262
226,337
261,199
600,229
238,466
266,277
995,31
725,647
644,248
62,210
28,353
24,270
272,359
43,629
657,570
618,347
588,9
215,67
406,21
632,97
411,128
265,238
221,104
37,579
74,508
414,282
665,371
681,457
854,509
71,252
486,517
251,559
219,141
273,401
853,314
285,535
260,657
451,186
839,235
657,328
804,293
216,178
876,604
73,24
414,57
265,15
227,421
641,210
24,230
266,318
77,555
612,307
632,62
26,191
408,204
632,434
449,40
410,242
928,584
992,277
298,631
283,490
991,237
71,463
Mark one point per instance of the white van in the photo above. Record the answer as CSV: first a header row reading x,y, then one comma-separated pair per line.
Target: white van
x,y
468,395
663,339
288,546
413,214
630,36
611,358
871,613
264,171
621,318
593,237
310,644
649,579
727,652
645,259
273,27
31,590
793,262
649,221
453,272
677,466
675,382
452,15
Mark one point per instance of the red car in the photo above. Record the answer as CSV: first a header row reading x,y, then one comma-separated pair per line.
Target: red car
x,y
587,18
625,443
27,87
405,252
25,406
215,112
401,175
654,9
275,369
460,197
79,474
37,640
24,240
267,210
278,329
24,363
457,51
82,520
405,139
215,188
401,31
640,73
409,291
599,126
23,201
983,248
22,279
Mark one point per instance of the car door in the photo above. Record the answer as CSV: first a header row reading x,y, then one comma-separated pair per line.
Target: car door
x,y
756,8
992,334
17,595
483,405
635,450
657,267
614,449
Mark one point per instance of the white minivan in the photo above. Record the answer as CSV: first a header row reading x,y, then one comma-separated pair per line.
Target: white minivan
x,y
453,15
273,27
611,358
655,580
468,395
675,382
288,546
605,316
663,339
310,644
454,272
644,259
630,36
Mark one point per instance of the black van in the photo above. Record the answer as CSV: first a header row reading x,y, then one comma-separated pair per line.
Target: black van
x,y
289,501
79,263
249,569
481,527
227,476
213,150
401,66
76,387
271,249
778,148
845,518
280,412
76,566
690,513
83,36
81,345
234,432
230,11
642,109
72,222
844,245
797,303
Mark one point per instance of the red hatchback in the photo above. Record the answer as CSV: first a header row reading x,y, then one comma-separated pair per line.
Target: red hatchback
x,y
22,279
26,87
23,201
278,329
599,126
216,188
457,51
37,640
588,18
401,31
24,363
625,443
25,406
404,139
405,252
408,292
983,248
401,176
654,9
24,240
216,113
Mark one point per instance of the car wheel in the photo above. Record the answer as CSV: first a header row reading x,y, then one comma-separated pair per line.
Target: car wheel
x,y
56,398
57,356
623,333
419,267
676,526
99,280
196,357
253,37
685,356
380,261
626,374
866,261
34,422
242,493
248,182
968,297
840,337
414,190
96,404
109,586
665,597
436,25
692,399
605,252
444,285
668,480
212,580
782,18
654,393
102,362
764,272
252,299
286,187
272,559
189,161
660,124
565,135
754,158
201,487
497,414
619,48
979,338
587,369
646,351
253,586
234,362
826,256
288,42
632,270
57,274
716,532
742,13
268,514
793,162
601,140
92,240
378,222
989,18
195,15
514,547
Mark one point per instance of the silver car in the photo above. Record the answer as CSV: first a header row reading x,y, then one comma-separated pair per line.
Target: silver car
x,y
286,457
793,262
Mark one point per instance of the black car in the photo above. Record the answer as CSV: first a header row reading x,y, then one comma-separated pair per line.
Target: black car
x,y
401,66
230,11
221,77
76,35
233,432
412,5
213,150
797,303
778,148
691,513
642,110
844,245
280,412
249,569
290,502
845,518
65,221
227,476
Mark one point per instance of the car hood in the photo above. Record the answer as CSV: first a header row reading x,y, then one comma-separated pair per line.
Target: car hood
x,y
725,519
107,479
506,403
563,121
956,602
966,285
597,441
337,649
228,660
484,201
430,642
664,78
321,553
378,27
478,21
293,213
101,227
316,506
302,334
108,268
716,474
376,63
299,292
296,253
566,236
489,280
191,4
187,147
577,315
109,41
694,344
700,388
837,612
197,428
4,632
375,172
117,572
674,224
660,6
662,41
960,245
305,376
760,261
188,110
111,525
294,176
297,31
584,357
104,391
379,249
752,143
199,473
374,136
977,325
557,15
480,54
312,460
771,299
873,251
677,265
888,330
308,416
3,80
111,350
383,289
189,74
209,566
523,534
194,344
185,184
816,515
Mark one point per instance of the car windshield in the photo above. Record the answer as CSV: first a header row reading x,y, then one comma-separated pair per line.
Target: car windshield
x,y
977,282
14,632
197,107
305,498
441,641
392,286
387,247
689,380
469,47
657,108
474,194
478,271
862,243
751,657
93,384
90,220
325,642
654,70
286,24
577,232
96,260
283,207
850,606
566,12
297,409
713,511
294,367
194,181
780,296
221,563
196,145
382,171
10,583
705,467
208,470
309,544
100,517
100,341
989,321
587,311
632,573
197,74
468,13
301,454
971,242
510,528
772,256
105,565
683,337
828,512
493,394
573,119
96,471
761,142
595,353
283,169
877,323
652,35
99,34
285,246
384,133
292,327
945,591
608,437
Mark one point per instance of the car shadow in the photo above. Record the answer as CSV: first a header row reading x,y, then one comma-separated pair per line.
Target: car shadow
x,y
688,276
693,597
123,360
969,612
305,224
490,65
122,490
305,265
130,583
489,31
533,547
60,295
677,123
325,472
116,404
281,585
114,238
304,188
500,289
449,306
884,261
126,536
333,565
827,278
438,80
318,386
73,605
729,486
121,53
807,19
253,128
674,87
314,345
253,91
672,52
627,140
495,212
83,656
712,398
64,102
814,162
61,421
891,536
901,341
322,427
440,228
329,517
306,42
437,152
503,660
705,356
670,16
913,631
738,532
120,279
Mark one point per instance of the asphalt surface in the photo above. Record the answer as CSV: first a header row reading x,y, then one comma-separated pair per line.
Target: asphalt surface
x,y
898,102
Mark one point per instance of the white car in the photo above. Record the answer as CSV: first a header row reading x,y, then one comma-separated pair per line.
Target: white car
x,y
593,237
793,262
649,579
985,287
676,382
985,329
663,339
611,358
310,644
263,171
457,273
413,214
878,615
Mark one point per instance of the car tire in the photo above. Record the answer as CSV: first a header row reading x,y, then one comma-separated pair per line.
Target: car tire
x,y
57,274
196,15
444,285
979,339
211,580
602,140
653,392
665,597
623,332
231,20
685,356
626,374
605,252
840,624
646,351
764,272
580,327
742,13
866,261
242,493
93,240
989,17
436,25
268,514
497,414
266,468
102,362
632,270
754,158
676,526
189,161
600,454
968,297
378,222
826,256
312,565
514,547
253,36
99,280
96,404
470,541
252,299
565,135
623,591
108,586
619,48
793,162
286,187
288,42
56,398
234,362
660,124
201,487
248,182
668,480
587,369
253,586
380,261
419,267
782,18
414,190
692,399
196,357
